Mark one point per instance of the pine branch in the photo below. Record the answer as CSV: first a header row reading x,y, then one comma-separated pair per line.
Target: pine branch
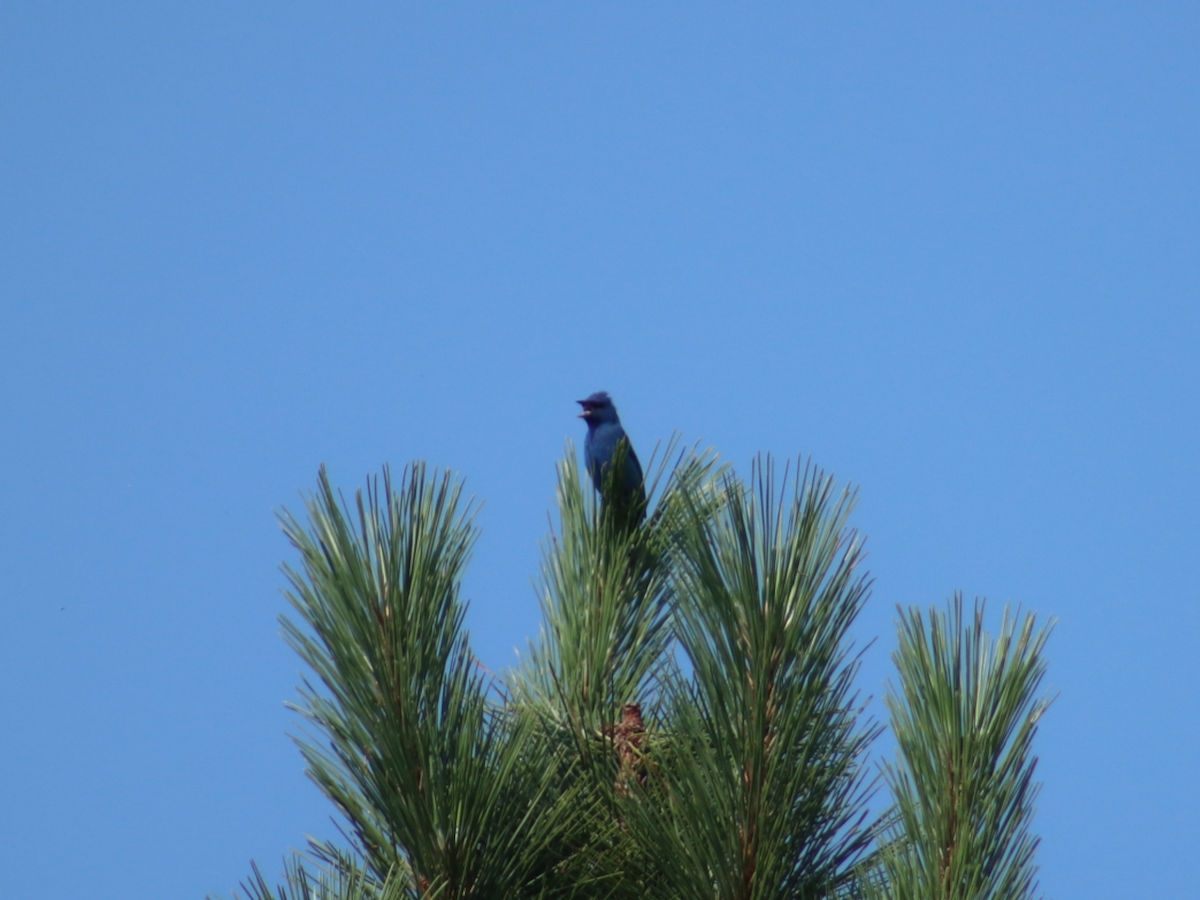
x,y
762,791
964,716
433,779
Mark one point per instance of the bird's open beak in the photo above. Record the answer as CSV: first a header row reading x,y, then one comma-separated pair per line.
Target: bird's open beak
x,y
586,410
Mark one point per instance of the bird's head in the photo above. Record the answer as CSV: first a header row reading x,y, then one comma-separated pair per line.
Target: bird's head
x,y
631,716
598,409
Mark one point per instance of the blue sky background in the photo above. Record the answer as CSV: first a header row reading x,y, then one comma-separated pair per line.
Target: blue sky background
x,y
952,251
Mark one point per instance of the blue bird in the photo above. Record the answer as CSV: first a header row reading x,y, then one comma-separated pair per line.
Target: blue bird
x,y
604,435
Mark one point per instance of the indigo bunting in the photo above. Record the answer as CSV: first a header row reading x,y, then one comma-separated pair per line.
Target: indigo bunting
x,y
604,435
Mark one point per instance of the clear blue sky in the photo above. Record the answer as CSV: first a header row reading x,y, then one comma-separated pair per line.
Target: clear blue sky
x,y
950,250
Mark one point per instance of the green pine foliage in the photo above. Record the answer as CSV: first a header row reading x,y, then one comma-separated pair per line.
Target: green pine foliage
x,y
685,726
964,716
762,791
